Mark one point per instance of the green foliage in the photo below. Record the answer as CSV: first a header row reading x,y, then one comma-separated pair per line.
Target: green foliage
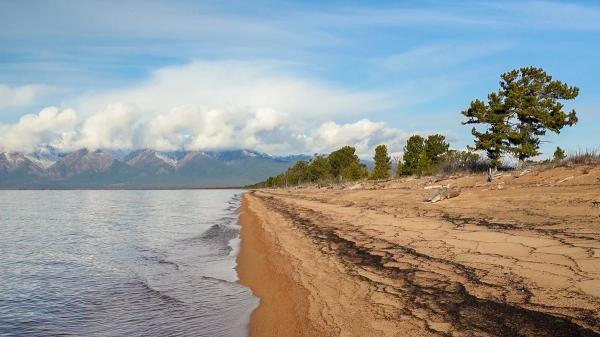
x,y
422,156
524,109
435,148
399,167
412,154
559,154
319,168
495,139
340,165
297,173
382,163
425,166
354,171
342,159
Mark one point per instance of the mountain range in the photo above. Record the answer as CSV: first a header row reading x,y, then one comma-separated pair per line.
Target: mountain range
x,y
49,168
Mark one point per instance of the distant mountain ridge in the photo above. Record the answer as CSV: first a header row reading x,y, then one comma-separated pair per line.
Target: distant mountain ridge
x,y
49,168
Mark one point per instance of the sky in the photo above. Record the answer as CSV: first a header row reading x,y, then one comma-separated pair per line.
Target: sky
x,y
280,77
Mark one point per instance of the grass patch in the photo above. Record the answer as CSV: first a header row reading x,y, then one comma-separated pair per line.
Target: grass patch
x,y
584,157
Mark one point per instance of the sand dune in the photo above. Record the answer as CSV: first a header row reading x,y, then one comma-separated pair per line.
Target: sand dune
x,y
519,256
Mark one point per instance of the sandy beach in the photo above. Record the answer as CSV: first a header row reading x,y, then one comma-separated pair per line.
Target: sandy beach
x,y
516,257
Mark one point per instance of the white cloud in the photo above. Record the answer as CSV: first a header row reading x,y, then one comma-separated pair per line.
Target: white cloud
x,y
238,85
121,126
113,127
25,95
50,126
212,105
364,134
190,127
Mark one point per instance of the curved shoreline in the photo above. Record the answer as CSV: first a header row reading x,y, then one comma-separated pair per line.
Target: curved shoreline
x,y
263,268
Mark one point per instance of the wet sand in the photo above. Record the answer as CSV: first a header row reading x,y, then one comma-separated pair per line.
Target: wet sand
x,y
516,257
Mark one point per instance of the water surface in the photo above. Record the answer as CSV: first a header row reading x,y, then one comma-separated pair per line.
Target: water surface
x,y
115,263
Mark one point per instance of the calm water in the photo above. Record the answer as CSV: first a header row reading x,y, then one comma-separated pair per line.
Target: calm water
x,y
121,263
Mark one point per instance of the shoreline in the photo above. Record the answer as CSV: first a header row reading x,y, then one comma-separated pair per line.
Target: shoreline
x,y
259,267
374,259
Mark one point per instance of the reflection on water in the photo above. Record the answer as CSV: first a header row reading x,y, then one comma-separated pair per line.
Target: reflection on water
x,y
115,263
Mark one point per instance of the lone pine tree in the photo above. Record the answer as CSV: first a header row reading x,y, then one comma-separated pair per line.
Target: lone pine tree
x,y
524,109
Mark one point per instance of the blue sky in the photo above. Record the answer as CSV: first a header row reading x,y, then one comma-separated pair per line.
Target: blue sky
x,y
279,76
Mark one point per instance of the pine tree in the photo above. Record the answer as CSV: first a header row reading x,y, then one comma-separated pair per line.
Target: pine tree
x,y
524,109
559,154
435,148
382,163
495,139
412,154
342,159
533,98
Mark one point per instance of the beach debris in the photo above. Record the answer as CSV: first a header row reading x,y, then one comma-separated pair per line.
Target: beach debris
x,y
442,193
565,179
355,187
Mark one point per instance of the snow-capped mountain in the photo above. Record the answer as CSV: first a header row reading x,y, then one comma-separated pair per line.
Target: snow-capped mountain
x,y
18,164
49,168
45,155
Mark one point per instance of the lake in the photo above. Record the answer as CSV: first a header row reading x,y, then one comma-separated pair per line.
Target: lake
x,y
116,263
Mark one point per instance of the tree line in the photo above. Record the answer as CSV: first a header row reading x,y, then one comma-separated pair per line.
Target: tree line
x,y
511,122
422,156
338,166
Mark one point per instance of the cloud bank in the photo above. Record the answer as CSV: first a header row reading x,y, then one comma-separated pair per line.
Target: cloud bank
x,y
209,106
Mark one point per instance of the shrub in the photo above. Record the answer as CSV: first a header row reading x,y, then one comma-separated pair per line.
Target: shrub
x,y
559,154
462,161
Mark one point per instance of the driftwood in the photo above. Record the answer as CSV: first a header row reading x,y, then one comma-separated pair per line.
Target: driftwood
x,y
440,194
565,179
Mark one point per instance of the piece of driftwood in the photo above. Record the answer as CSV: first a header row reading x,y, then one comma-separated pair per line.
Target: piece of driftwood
x,y
565,179
443,193
355,187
